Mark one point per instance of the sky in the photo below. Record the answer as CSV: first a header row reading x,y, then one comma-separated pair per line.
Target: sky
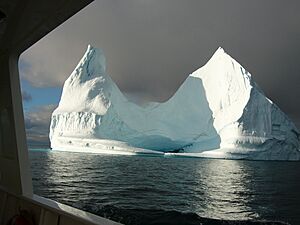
x,y
152,46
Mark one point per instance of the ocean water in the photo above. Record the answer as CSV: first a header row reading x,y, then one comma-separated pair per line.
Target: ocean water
x,y
160,190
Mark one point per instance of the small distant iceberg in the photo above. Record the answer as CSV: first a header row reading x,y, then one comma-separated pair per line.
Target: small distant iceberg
x,y
218,112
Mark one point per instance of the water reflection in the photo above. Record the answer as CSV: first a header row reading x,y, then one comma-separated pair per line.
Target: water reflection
x,y
225,189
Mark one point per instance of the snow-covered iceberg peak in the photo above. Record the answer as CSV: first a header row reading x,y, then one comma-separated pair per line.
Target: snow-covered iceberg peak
x,y
88,88
92,64
218,111
219,53
219,57
227,86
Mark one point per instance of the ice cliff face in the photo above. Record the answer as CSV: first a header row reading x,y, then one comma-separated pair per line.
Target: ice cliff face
x,y
217,112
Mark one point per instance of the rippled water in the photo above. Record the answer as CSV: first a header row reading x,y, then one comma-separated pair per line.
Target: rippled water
x,y
130,188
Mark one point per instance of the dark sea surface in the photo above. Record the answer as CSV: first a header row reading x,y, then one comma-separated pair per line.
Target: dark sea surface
x,y
161,190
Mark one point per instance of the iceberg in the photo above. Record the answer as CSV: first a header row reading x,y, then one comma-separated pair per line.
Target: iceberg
x,y
218,112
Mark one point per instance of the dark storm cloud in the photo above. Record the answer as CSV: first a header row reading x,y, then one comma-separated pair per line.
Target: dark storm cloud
x,y
26,97
152,46
37,123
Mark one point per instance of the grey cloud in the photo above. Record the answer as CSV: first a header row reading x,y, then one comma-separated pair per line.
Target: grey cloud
x,y
37,123
152,46
26,96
